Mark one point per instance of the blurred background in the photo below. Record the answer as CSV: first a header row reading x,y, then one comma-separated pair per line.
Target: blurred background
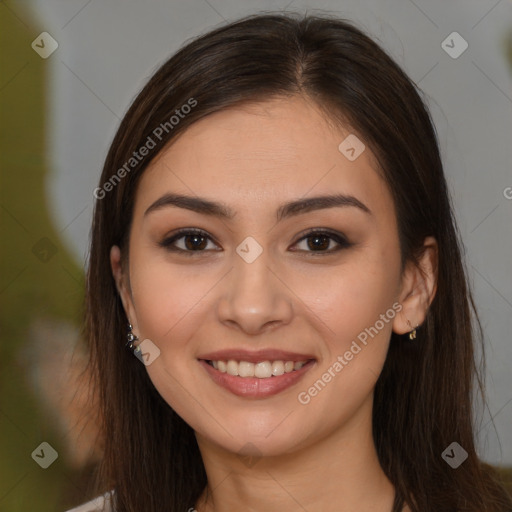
x,y
68,72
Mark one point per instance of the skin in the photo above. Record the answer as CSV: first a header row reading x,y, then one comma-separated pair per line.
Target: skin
x,y
254,158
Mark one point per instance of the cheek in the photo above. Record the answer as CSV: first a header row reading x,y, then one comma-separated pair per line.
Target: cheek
x,y
346,298
351,298
357,305
162,295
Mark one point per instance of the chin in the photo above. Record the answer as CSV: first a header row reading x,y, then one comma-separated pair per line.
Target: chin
x,y
253,437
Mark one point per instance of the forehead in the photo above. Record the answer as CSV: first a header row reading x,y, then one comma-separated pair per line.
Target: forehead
x,y
258,155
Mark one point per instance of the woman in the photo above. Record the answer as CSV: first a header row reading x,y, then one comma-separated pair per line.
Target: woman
x,y
273,225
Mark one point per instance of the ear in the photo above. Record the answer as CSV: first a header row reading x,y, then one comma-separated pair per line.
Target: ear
x,y
419,285
123,286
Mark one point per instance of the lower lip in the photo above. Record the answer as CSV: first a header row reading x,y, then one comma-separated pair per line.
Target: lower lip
x,y
253,387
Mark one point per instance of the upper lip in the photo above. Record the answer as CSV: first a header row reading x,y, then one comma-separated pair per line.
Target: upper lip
x,y
255,356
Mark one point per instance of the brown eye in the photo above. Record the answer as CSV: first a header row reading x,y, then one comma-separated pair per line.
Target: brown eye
x,y
320,241
194,240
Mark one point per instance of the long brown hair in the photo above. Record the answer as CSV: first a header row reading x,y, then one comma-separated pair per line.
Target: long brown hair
x,y
423,398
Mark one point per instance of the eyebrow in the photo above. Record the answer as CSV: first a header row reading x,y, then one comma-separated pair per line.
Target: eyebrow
x,y
286,210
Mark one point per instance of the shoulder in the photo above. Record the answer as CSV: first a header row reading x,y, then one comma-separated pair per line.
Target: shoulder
x,y
99,504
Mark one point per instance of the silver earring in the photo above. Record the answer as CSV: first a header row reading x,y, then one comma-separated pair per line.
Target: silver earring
x,y
131,339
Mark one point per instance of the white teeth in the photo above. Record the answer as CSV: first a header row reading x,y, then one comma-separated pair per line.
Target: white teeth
x,y
288,367
245,369
261,370
232,368
277,368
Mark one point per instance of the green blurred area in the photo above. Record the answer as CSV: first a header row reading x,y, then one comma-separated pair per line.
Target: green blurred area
x,y
38,278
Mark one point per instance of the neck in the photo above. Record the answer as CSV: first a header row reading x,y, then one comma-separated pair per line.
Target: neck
x,y
339,473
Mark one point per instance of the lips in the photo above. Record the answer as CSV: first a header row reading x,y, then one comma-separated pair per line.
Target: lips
x,y
256,387
256,356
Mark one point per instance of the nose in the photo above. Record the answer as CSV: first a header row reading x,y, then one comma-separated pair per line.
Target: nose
x,y
254,298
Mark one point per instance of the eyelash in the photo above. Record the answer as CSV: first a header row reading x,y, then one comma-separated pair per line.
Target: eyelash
x,y
167,243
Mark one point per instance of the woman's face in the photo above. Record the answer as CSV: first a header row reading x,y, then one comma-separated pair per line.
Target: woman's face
x,y
254,287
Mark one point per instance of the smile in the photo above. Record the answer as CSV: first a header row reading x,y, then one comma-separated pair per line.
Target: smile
x,y
261,370
256,380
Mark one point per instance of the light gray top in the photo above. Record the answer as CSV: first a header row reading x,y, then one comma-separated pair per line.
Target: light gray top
x,y
98,504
